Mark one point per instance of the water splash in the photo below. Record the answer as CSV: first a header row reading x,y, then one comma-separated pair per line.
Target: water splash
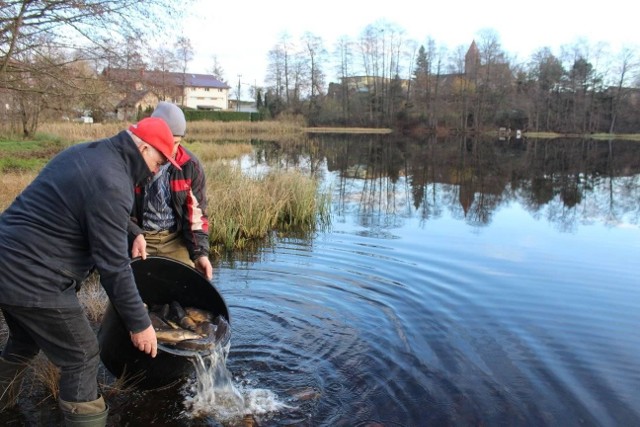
x,y
213,394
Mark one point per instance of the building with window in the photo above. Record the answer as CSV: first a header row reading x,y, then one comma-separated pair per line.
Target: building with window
x,y
139,90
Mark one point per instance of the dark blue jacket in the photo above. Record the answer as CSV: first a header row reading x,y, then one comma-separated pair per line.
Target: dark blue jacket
x,y
71,218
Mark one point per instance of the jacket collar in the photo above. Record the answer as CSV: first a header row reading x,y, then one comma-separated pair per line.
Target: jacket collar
x,y
182,155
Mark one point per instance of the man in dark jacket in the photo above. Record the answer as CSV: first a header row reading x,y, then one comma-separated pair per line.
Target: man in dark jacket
x,y
170,213
71,219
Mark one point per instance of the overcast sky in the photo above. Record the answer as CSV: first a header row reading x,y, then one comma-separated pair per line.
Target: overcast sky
x,y
241,33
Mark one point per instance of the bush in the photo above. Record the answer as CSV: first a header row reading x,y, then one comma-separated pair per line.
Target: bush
x,y
222,116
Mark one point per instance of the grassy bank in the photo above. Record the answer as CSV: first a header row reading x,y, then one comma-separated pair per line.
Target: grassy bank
x,y
197,131
241,209
597,136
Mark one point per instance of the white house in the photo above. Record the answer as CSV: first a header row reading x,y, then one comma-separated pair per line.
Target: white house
x,y
203,92
138,89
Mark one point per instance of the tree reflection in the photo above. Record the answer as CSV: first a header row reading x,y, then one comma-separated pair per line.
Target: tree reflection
x,y
385,179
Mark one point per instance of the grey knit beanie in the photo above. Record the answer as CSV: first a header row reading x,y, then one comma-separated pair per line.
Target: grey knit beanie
x,y
173,115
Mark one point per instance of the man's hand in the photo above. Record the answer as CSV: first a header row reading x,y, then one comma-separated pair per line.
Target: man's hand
x,y
203,265
139,247
146,341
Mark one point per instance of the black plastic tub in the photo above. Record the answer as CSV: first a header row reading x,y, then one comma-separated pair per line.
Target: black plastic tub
x,y
160,281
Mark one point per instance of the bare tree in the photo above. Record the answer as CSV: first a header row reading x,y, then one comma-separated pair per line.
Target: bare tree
x,y
283,75
627,64
316,54
370,45
29,65
274,98
344,55
493,78
164,62
48,81
184,55
216,68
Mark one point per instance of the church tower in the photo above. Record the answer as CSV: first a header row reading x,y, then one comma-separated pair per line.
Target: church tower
x,y
472,59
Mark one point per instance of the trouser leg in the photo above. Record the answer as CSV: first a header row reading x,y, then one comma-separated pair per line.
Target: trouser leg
x,y
17,353
168,245
66,338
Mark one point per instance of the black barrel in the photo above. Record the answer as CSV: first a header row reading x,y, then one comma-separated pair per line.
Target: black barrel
x,y
159,280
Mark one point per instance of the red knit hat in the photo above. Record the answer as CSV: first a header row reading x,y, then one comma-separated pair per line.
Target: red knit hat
x,y
155,132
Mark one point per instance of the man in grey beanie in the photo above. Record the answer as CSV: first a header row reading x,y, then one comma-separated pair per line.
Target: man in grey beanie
x,y
169,217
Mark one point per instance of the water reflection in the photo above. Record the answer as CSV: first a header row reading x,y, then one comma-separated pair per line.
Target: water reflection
x,y
472,178
448,290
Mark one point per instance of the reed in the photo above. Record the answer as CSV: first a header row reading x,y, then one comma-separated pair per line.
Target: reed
x,y
46,376
197,131
93,298
207,131
243,208
45,381
208,152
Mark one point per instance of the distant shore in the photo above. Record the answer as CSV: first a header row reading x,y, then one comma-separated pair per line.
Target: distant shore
x,y
598,136
347,130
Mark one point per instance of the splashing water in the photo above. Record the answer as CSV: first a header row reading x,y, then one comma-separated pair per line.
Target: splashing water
x,y
213,393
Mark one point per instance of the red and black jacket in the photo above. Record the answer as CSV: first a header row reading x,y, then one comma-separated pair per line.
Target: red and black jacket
x,y
189,203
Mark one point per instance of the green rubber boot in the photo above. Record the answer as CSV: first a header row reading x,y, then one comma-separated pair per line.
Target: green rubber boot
x,y
85,414
11,376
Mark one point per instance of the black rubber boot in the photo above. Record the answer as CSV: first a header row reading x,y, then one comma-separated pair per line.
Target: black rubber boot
x,y
11,375
85,414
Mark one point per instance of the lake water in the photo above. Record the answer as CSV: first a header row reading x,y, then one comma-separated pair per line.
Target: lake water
x,y
461,282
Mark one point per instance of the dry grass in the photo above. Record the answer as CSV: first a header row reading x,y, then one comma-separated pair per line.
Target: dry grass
x,y
46,376
247,208
197,131
45,379
93,298
207,131
209,152
79,132
122,385
11,184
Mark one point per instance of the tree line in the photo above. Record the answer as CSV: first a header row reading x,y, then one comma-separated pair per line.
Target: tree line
x,y
52,55
585,88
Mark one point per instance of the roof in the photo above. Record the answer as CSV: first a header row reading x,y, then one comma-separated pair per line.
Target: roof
x,y
156,76
204,80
